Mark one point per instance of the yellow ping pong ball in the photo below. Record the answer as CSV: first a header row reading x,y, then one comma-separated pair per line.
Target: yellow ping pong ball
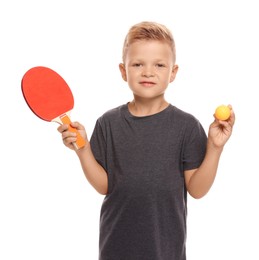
x,y
222,112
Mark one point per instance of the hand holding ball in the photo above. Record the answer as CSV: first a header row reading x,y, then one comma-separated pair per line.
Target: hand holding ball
x,y
222,112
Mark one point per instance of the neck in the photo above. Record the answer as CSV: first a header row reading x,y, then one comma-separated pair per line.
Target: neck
x,y
146,107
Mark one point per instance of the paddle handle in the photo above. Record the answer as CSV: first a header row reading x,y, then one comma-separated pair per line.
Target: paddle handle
x,y
80,141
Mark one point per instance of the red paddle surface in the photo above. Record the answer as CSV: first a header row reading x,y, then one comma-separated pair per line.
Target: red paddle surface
x,y
49,97
46,93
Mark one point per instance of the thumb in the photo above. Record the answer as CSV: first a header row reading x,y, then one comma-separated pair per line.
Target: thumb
x,y
77,125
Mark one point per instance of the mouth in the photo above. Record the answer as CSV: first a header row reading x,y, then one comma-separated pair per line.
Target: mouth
x,y
147,83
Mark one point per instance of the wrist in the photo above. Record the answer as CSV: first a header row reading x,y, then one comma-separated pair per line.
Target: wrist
x,y
211,146
83,149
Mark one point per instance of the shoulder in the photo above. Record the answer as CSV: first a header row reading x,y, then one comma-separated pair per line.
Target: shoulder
x,y
114,111
182,116
186,122
112,115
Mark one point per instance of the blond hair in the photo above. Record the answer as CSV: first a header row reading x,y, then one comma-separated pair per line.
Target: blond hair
x,y
148,31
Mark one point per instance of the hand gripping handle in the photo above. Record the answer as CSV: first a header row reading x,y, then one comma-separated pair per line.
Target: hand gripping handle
x,y
80,141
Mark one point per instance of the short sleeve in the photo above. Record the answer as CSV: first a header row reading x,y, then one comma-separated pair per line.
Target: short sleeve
x,y
194,147
98,144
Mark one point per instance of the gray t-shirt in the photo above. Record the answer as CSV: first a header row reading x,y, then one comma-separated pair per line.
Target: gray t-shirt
x,y
143,216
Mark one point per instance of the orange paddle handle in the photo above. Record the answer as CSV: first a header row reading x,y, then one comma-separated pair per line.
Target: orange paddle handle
x,y
80,141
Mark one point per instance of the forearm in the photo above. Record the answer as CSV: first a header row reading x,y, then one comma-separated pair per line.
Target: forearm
x,y
203,178
94,172
199,181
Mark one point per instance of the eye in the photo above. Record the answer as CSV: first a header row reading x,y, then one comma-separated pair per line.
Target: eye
x,y
136,64
160,65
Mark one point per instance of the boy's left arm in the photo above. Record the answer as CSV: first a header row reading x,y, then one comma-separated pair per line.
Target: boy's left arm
x,y
199,181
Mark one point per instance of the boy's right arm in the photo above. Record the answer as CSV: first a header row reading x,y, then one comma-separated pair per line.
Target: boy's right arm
x,y
94,172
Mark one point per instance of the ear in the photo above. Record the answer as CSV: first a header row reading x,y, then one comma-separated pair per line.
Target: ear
x,y
123,71
174,72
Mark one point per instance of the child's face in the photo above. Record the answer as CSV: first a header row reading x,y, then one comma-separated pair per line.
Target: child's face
x,y
148,68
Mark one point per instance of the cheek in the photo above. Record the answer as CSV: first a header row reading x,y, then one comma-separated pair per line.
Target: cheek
x,y
130,76
130,79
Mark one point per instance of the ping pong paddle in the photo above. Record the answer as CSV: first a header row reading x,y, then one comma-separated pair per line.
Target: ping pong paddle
x,y
49,97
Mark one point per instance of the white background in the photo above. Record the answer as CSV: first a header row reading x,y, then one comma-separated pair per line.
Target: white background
x,y
47,208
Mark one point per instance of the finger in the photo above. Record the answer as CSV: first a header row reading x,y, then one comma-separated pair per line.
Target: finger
x,y
77,125
68,141
232,117
62,128
216,121
68,134
223,123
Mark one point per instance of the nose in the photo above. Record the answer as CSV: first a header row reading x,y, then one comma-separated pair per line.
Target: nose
x,y
147,72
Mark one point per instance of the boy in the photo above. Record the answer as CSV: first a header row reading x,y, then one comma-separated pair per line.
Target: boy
x,y
147,154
